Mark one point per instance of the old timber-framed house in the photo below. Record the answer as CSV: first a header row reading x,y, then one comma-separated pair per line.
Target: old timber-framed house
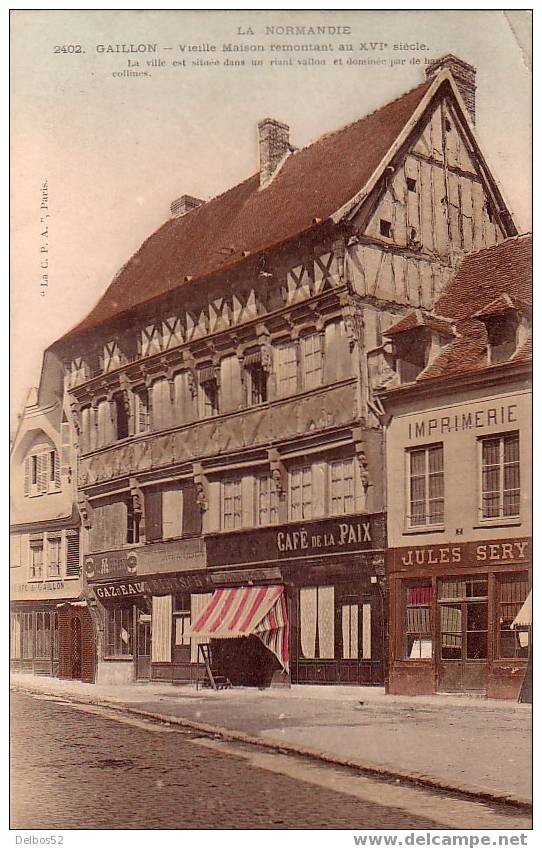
x,y
231,478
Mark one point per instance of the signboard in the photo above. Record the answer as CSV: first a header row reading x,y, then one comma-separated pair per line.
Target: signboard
x,y
45,590
340,535
119,591
175,556
483,553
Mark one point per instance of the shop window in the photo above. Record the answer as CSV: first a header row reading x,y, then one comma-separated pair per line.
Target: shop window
x,y
36,560
267,501
27,632
15,636
300,493
119,632
512,592
286,365
350,631
43,636
418,630
53,556
426,486
141,410
232,506
311,360
341,486
463,618
317,622
500,476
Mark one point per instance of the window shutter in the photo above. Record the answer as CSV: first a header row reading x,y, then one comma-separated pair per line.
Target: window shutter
x,y
172,512
65,449
191,510
57,470
72,555
43,471
153,515
27,473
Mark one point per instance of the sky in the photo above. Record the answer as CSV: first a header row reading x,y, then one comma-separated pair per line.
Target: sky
x,y
116,150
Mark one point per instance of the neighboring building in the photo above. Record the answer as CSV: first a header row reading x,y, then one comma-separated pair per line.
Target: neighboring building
x,y
226,436
51,627
458,457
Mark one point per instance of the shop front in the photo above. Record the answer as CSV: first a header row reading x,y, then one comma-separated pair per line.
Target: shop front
x,y
453,617
146,598
333,579
51,630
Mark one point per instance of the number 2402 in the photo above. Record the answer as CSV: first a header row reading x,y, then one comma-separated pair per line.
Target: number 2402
x,y
67,48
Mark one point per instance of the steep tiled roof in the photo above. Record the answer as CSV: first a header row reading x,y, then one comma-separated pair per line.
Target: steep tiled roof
x,y
487,282
313,183
504,268
417,318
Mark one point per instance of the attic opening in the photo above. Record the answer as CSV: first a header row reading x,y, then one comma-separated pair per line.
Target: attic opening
x,y
411,184
502,335
412,354
385,228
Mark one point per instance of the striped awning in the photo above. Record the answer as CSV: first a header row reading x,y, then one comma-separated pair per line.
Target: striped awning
x,y
242,611
525,614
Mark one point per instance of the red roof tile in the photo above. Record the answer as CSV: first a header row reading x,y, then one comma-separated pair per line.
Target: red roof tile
x,y
314,182
418,319
504,268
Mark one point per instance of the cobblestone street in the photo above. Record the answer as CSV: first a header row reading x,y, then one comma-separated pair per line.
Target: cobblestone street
x,y
75,767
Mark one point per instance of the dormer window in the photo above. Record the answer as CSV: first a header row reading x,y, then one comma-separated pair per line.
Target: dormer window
x,y
412,354
502,334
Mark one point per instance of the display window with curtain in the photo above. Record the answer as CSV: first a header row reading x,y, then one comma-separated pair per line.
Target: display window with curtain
x,y
34,641
338,634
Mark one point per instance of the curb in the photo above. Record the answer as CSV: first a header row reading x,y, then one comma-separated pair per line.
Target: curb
x,y
373,770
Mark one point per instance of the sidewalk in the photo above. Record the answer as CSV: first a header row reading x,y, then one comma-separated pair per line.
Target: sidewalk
x,y
474,745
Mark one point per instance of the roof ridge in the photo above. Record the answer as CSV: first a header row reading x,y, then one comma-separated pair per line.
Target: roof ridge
x,y
341,129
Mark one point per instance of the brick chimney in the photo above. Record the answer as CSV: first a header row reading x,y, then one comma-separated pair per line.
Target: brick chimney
x,y
184,204
273,144
464,76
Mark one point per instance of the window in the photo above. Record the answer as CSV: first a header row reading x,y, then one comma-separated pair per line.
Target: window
x,y
500,476
385,228
412,354
311,360
36,560
341,487
502,334
121,416
411,184
181,618
267,501
426,486
208,395
419,639
141,410
300,493
53,557
286,369
15,636
119,632
256,378
317,622
231,504
43,636
462,605
172,512
72,554
133,522
350,630
41,472
512,592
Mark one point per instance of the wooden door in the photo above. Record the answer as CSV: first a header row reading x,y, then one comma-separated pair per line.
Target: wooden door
x,y
462,636
143,647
